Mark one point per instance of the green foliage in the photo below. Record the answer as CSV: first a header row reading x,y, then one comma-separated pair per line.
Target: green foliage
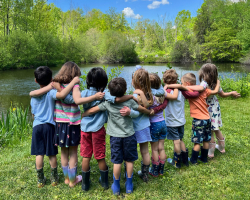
x,y
14,125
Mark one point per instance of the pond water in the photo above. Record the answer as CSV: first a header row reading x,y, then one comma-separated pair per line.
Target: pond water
x,y
15,85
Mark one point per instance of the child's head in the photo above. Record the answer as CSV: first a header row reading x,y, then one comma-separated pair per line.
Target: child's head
x,y
155,80
67,73
97,78
141,81
170,76
43,75
117,87
209,73
188,79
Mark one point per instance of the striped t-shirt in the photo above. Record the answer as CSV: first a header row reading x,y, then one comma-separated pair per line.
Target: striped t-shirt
x,y
67,113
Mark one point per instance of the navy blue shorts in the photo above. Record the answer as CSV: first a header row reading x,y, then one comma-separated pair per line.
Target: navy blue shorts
x,y
123,149
158,131
175,133
201,130
42,140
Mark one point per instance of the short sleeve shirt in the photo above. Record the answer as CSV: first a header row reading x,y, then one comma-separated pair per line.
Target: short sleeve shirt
x,y
119,126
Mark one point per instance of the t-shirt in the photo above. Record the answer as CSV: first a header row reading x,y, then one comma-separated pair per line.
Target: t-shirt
x,y
119,126
157,117
205,85
198,106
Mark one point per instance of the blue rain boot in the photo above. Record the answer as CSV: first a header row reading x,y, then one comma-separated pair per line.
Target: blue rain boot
x,y
176,161
129,184
116,186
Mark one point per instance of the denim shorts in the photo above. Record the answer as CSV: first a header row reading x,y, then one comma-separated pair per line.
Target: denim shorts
x,y
201,130
175,133
158,131
123,149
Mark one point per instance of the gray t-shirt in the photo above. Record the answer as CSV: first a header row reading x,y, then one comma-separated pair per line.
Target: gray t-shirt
x,y
119,126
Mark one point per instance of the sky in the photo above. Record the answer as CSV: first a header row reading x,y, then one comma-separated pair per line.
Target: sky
x,y
135,9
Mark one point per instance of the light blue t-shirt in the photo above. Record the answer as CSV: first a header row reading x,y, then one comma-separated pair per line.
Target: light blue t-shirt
x,y
158,92
96,121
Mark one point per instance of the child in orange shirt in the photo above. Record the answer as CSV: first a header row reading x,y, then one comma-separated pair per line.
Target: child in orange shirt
x,y
201,125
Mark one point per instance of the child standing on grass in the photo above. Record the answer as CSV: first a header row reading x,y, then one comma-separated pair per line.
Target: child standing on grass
x,y
123,142
208,76
42,109
201,125
175,119
93,133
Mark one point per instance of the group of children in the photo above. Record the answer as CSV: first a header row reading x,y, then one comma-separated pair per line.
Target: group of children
x,y
131,119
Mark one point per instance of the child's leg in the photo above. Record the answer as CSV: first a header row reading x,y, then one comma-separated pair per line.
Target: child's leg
x,y
129,178
117,171
162,152
65,162
39,169
221,141
145,153
53,161
102,164
116,177
73,166
54,175
155,150
183,147
176,161
85,164
39,161
197,147
177,146
129,166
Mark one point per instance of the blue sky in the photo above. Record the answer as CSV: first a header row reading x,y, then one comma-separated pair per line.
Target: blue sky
x,y
134,9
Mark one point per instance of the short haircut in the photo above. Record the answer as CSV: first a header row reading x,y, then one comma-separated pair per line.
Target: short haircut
x,y
170,76
189,77
155,80
117,87
43,75
97,78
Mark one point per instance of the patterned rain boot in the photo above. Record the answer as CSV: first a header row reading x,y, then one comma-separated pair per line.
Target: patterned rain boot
x,y
104,178
73,179
54,177
221,145
184,157
41,178
129,184
194,157
85,180
203,156
65,173
176,161
116,186
161,166
154,171
143,173
211,149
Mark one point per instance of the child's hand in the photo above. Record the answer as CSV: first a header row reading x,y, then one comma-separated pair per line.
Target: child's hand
x,y
56,85
235,94
125,111
76,80
83,115
218,81
99,95
152,112
137,91
165,87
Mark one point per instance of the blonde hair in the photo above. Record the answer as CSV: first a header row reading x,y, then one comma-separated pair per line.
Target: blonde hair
x,y
141,81
67,72
189,77
170,76
155,82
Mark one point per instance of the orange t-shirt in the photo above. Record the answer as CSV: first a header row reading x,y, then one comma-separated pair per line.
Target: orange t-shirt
x,y
198,106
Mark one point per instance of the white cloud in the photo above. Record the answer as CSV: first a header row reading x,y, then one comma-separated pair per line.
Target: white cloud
x,y
156,4
236,1
128,12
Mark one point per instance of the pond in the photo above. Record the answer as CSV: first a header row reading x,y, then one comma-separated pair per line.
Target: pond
x,y
15,85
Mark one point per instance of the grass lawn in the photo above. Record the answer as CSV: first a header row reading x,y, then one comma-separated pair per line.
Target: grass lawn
x,y
224,177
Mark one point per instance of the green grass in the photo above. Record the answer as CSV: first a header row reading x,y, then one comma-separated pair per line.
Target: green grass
x,y
224,177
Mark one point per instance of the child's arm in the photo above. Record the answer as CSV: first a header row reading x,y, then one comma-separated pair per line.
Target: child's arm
x,y
41,91
173,96
227,94
198,88
216,89
176,86
91,111
158,92
143,97
83,100
160,107
62,94
143,110
123,98
126,111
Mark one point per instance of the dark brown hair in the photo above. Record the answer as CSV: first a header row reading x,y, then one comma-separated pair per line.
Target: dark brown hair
x,y
208,72
141,81
170,76
117,87
189,77
155,80
67,72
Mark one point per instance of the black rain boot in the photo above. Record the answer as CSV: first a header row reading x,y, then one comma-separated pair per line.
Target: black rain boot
x,y
203,157
143,173
194,157
104,178
85,180
176,161
184,156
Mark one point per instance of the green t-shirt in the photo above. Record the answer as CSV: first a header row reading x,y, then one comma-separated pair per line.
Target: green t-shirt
x,y
119,126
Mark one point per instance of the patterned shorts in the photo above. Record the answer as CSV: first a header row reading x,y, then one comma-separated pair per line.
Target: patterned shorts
x,y
201,130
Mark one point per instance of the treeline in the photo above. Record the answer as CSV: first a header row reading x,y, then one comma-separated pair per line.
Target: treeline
x,y
34,33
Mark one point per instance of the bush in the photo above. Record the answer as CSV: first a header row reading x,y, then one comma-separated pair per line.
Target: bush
x,y
181,52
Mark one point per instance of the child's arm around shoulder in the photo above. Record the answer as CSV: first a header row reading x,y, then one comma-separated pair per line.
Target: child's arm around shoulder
x,y
143,97
173,96
91,111
41,91
63,93
83,100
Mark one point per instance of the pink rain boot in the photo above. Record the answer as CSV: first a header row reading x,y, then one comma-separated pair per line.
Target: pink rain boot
x,y
211,149
221,145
